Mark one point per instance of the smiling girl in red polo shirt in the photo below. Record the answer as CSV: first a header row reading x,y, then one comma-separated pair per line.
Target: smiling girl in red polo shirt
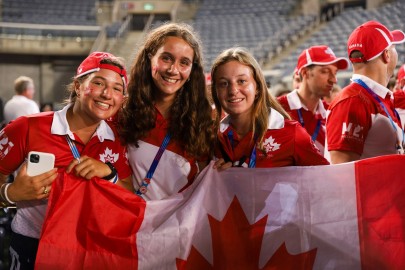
x,y
257,131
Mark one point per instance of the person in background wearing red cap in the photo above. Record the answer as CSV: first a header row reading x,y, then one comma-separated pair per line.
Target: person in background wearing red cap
x,y
81,140
399,94
317,67
362,122
257,133
167,121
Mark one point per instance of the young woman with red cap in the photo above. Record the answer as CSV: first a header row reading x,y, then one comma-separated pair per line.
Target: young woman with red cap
x,y
81,140
167,120
257,131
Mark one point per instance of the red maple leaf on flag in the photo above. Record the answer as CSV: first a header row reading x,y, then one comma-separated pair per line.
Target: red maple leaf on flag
x,y
237,245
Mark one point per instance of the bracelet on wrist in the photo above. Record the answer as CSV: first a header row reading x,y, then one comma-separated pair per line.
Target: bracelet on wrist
x,y
113,173
114,179
5,193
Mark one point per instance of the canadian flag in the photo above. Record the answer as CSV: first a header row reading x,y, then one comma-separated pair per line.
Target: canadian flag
x,y
347,216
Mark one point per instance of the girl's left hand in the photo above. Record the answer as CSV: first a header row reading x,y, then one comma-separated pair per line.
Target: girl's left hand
x,y
221,165
88,167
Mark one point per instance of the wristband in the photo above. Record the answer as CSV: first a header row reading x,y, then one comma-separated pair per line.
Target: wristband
x,y
5,194
113,172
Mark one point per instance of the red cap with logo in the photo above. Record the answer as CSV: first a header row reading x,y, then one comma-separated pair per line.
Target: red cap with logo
x,y
371,39
320,55
93,64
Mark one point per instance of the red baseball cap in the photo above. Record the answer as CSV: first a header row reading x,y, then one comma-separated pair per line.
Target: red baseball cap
x,y
92,63
371,39
401,73
320,55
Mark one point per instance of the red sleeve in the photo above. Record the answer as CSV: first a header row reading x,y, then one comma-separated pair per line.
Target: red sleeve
x,y
305,151
13,140
347,125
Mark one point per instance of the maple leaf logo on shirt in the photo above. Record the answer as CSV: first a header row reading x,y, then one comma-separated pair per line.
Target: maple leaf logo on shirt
x,y
108,156
5,145
270,145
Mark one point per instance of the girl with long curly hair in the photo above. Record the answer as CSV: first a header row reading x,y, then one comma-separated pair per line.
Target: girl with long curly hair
x,y
167,121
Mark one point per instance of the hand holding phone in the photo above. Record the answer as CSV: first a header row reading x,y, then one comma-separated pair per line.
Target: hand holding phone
x,y
39,162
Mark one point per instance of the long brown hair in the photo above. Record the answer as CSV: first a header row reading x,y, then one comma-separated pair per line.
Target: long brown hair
x,y
190,121
263,102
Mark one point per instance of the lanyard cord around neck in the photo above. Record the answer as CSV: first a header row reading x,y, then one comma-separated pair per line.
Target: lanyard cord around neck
x,y
76,155
146,181
73,148
374,95
252,160
317,128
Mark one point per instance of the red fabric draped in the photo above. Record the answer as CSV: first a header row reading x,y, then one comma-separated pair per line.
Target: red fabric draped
x,y
90,225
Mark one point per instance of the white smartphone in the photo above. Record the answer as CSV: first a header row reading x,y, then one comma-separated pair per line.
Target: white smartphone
x,y
39,162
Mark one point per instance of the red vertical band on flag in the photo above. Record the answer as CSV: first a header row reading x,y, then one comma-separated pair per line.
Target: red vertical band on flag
x,y
381,212
90,225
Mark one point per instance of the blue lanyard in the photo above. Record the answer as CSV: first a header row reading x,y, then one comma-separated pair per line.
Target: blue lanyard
x,y
146,181
76,155
318,125
252,160
374,95
73,147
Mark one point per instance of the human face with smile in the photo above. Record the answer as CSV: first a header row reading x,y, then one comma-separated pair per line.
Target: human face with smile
x,y
236,88
171,66
100,95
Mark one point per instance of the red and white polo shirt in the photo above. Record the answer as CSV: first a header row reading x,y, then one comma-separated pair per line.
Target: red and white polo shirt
x,y
356,122
286,143
45,132
292,104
